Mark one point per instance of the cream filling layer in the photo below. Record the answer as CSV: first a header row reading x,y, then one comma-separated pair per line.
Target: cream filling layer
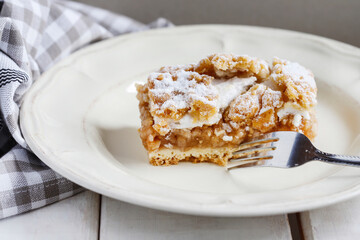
x,y
296,111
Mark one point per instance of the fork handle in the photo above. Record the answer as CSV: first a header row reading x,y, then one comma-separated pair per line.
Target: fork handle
x,y
337,159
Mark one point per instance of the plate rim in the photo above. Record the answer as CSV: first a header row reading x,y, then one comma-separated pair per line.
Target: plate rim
x,y
299,206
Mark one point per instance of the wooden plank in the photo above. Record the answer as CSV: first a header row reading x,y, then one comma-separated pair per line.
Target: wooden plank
x,y
339,221
73,218
121,220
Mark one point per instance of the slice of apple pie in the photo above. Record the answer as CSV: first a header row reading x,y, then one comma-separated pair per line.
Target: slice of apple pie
x,y
202,112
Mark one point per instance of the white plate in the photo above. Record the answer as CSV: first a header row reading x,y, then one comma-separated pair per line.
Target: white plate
x,y
81,119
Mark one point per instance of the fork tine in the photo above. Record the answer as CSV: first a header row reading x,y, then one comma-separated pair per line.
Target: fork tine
x,y
252,158
256,143
247,152
245,161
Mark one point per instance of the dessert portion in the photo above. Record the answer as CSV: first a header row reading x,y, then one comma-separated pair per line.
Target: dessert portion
x,y
202,112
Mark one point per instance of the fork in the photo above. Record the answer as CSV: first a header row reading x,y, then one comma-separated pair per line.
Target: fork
x,y
284,149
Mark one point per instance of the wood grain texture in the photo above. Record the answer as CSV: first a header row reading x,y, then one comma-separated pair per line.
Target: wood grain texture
x,y
121,220
74,218
340,222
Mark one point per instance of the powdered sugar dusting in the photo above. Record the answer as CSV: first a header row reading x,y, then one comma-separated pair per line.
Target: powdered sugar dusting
x,y
298,73
197,94
182,90
258,100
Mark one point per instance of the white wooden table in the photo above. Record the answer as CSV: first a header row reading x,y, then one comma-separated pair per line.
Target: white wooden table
x,y
92,216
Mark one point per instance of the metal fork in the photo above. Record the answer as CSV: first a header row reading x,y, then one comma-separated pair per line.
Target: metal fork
x,y
284,149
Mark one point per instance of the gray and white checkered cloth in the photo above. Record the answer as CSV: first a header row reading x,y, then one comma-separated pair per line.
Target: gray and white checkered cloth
x,y
35,34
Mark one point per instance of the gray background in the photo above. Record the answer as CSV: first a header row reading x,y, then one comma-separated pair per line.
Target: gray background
x,y
337,19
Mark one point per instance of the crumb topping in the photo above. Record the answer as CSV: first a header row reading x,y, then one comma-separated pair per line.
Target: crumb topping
x,y
229,65
225,98
297,83
174,95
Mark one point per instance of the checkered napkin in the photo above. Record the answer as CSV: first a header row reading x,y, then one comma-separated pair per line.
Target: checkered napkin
x,y
35,34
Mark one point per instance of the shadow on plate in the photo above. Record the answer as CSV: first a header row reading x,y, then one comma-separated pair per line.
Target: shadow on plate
x,y
124,144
